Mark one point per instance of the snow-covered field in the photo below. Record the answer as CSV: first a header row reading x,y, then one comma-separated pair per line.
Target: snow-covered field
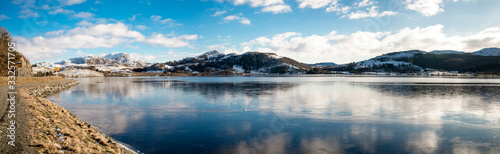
x,y
80,73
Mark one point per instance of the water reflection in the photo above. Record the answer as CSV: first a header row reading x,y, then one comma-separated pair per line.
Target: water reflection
x,y
317,114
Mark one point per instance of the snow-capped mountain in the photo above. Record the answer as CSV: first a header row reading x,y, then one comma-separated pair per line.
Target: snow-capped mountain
x,y
395,56
210,55
118,58
395,59
488,52
215,61
323,64
440,52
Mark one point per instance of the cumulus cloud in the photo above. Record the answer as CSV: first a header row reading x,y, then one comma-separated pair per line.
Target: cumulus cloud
x,y
102,35
237,17
360,45
141,27
170,40
425,7
84,23
275,9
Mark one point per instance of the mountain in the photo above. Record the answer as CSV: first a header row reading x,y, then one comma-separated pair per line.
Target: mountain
x,y
249,62
391,62
488,52
323,64
484,60
119,58
215,62
440,52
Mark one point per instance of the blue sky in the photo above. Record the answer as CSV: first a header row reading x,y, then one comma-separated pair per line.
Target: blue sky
x,y
309,31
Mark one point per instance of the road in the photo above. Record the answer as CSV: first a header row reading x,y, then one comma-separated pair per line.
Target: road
x,y
22,117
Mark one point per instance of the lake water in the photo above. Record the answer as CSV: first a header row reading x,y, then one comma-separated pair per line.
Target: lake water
x,y
300,114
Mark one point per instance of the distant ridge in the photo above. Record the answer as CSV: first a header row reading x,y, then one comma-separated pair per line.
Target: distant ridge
x,y
254,62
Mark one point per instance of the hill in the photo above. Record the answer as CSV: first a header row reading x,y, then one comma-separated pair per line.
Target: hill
x,y
249,62
484,60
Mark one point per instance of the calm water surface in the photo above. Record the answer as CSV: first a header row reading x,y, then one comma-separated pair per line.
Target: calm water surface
x,y
320,114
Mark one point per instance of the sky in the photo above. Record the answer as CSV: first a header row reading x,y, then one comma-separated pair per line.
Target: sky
x,y
308,31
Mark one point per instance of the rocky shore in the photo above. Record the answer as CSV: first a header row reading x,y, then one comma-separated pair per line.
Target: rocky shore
x,y
49,128
51,88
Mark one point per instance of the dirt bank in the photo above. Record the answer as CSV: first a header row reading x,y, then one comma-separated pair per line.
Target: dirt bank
x,y
28,80
44,127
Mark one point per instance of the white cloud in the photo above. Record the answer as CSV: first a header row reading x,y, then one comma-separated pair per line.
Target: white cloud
x,y
218,13
27,13
83,15
62,11
141,27
118,30
54,33
335,6
257,3
361,45
3,17
146,57
170,22
81,53
84,23
133,17
372,12
274,6
238,17
171,42
364,3
29,8
425,7
102,35
315,4
275,9
71,2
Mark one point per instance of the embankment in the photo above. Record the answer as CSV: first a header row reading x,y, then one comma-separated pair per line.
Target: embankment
x,y
53,129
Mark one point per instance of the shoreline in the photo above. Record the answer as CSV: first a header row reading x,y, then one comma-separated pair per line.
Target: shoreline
x,y
45,127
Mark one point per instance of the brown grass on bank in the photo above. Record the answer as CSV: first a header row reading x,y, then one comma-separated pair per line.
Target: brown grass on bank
x,y
56,130
27,80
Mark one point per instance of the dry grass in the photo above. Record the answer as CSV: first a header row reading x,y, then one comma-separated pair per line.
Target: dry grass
x,y
56,130
27,80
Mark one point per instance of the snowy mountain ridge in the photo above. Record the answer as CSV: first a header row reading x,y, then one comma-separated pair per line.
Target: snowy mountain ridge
x,y
488,52
116,58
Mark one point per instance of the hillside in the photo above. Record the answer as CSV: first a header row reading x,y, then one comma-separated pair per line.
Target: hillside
x,y
459,62
21,70
484,60
249,62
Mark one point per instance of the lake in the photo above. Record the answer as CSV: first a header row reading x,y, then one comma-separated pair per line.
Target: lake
x,y
292,114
